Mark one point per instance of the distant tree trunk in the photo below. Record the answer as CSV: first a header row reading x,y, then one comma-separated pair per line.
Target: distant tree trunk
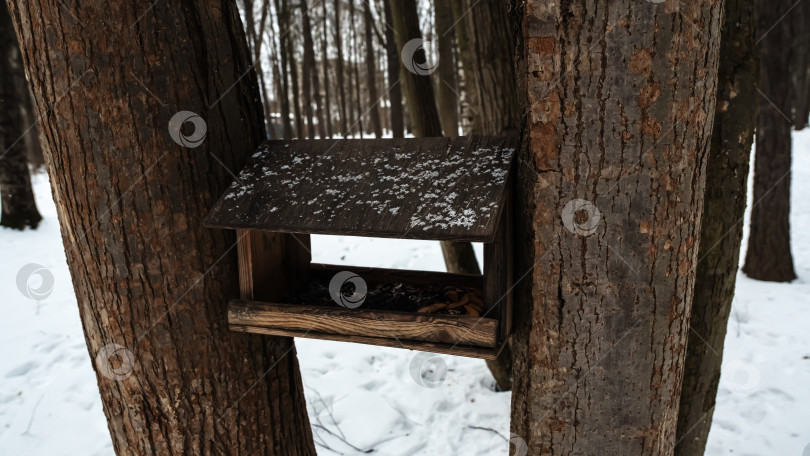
x,y
16,195
800,64
721,228
619,96
459,257
278,87
394,86
256,33
341,77
283,36
446,85
307,69
486,48
325,63
371,72
288,30
357,126
768,256
485,45
418,89
148,276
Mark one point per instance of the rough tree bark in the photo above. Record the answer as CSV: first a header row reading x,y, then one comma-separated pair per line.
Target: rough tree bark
x,y
446,84
620,98
16,195
148,276
768,256
485,44
459,257
394,85
722,226
371,72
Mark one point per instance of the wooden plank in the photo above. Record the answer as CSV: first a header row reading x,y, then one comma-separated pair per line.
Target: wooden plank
x,y
498,272
374,276
448,329
412,188
271,265
446,349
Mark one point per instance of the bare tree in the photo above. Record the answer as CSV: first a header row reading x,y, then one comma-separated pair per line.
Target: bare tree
x,y
371,71
285,66
151,282
768,256
16,194
721,227
394,86
446,84
339,70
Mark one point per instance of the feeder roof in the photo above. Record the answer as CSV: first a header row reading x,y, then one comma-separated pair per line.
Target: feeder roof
x,y
411,188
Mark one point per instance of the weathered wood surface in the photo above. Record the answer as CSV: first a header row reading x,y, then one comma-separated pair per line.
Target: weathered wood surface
x,y
272,265
449,329
446,349
415,188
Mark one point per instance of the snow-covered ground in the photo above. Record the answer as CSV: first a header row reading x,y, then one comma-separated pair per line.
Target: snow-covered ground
x,y
362,397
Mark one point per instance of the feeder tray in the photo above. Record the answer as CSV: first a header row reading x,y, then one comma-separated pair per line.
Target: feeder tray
x,y
448,189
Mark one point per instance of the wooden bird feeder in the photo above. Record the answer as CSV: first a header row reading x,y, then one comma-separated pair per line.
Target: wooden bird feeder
x,y
448,189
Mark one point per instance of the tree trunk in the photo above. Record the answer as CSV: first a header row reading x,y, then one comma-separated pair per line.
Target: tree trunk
x,y
446,86
722,228
459,257
288,31
341,77
768,256
16,195
486,50
357,125
417,88
325,63
394,86
283,36
371,72
307,69
620,100
148,276
256,34
800,64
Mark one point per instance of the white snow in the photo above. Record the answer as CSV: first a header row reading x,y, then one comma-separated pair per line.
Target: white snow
x,y
362,397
